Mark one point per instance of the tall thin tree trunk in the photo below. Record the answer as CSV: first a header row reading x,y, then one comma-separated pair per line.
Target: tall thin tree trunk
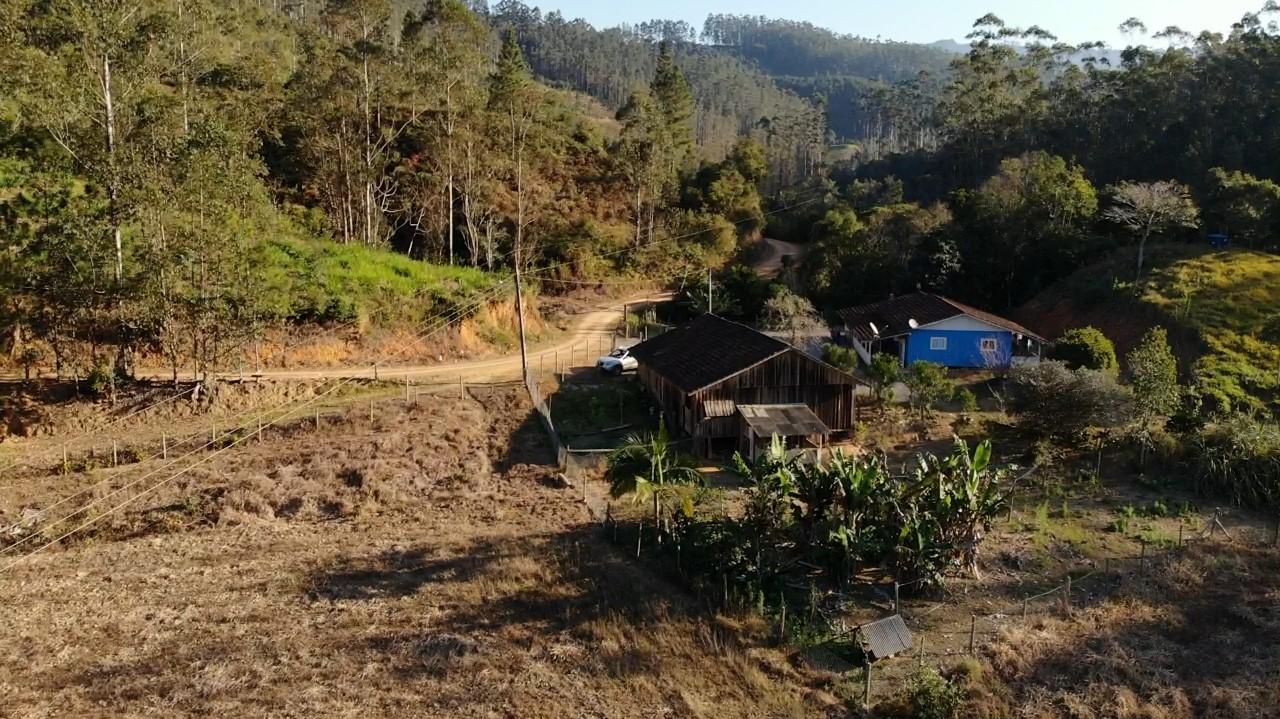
x,y
368,152
519,153
113,189
182,63
449,164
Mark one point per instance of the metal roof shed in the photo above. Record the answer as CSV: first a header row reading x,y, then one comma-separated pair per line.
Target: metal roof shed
x,y
886,637
763,421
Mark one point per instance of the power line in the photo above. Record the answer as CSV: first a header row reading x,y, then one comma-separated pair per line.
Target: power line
x,y
446,321
91,433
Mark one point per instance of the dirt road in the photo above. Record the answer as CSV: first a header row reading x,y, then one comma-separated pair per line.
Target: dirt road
x,y
592,335
770,265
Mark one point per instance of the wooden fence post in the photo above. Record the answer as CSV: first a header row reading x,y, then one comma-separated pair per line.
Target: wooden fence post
x,y
462,388
64,458
920,660
1142,559
1024,609
866,689
782,621
896,605
973,632
317,419
164,446
407,398
259,428
115,453
1066,596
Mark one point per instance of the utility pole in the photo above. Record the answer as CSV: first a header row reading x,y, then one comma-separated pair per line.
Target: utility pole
x,y
524,360
710,308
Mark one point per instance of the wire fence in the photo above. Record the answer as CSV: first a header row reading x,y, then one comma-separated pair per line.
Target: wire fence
x,y
126,447
936,642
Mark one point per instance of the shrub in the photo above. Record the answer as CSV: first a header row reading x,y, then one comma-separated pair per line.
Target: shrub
x,y
29,358
1240,459
929,385
1087,348
967,400
1051,401
100,378
883,371
843,357
1153,374
933,697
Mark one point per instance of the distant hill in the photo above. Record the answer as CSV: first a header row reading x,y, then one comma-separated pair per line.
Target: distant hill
x,y
1111,55
1221,308
731,94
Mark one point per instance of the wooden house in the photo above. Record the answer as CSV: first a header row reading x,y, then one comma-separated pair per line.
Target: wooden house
x,y
923,326
703,373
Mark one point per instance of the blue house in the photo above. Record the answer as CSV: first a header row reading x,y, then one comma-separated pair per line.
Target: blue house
x,y
923,326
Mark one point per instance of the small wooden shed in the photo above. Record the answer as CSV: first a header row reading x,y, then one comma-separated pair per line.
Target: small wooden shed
x,y
701,373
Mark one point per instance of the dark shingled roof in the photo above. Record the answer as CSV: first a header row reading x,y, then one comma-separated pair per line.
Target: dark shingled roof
x,y
706,351
891,316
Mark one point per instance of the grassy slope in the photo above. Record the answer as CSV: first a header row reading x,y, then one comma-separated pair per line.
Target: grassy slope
x,y
1222,310
327,281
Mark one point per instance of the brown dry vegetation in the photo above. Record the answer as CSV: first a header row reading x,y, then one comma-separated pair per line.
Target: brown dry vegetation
x,y
1199,638
418,565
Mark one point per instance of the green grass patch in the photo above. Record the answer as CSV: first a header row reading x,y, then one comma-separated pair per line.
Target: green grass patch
x,y
582,412
1231,298
1223,302
322,281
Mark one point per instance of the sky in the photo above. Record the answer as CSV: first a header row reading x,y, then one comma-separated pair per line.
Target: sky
x,y
1073,21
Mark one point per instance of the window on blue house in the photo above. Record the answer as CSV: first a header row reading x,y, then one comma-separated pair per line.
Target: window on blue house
x,y
937,343
988,344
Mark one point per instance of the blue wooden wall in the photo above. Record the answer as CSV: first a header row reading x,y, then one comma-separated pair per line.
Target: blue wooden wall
x,y
964,348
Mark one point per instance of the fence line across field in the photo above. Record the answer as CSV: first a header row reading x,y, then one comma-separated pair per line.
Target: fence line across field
x,y
1100,578
443,322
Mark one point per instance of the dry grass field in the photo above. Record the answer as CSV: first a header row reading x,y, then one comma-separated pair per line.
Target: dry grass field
x,y
427,562
424,564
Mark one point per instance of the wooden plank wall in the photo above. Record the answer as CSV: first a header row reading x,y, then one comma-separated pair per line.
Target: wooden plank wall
x,y
791,378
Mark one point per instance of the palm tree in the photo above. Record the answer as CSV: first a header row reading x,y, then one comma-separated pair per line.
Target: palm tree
x,y
649,467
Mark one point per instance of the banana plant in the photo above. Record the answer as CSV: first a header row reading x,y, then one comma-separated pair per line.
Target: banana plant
x,y
816,489
864,494
953,502
773,478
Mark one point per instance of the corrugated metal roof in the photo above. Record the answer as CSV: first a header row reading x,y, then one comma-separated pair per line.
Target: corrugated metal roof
x,y
892,317
719,408
886,637
784,420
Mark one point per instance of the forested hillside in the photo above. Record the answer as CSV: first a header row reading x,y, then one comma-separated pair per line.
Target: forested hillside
x,y
875,92
732,98
177,176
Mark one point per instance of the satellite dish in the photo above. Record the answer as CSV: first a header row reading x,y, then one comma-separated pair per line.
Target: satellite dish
x,y
874,330
913,324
